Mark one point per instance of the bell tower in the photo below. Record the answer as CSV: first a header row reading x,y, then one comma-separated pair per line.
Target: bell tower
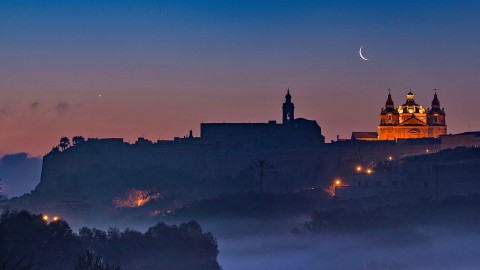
x,y
388,115
389,118
436,118
288,109
435,115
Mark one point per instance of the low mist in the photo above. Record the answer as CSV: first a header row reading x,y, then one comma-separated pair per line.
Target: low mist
x,y
409,248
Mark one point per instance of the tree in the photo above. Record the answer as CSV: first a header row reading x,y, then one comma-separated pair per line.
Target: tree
x,y
263,167
90,261
10,261
64,143
78,140
47,245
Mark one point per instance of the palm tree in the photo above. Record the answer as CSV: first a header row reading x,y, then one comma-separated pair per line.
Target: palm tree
x,y
78,140
263,166
64,143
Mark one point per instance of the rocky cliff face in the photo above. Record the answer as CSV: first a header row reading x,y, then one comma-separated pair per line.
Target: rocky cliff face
x,y
95,172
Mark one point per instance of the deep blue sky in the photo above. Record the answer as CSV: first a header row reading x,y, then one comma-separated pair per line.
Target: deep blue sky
x,y
162,67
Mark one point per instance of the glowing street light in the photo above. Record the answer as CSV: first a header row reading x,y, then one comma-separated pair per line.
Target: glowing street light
x,y
338,182
369,171
48,219
390,158
359,168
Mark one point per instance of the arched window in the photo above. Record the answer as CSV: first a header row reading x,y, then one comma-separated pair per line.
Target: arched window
x,y
435,119
389,119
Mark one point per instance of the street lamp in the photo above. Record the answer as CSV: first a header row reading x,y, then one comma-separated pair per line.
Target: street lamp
x,y
46,218
359,168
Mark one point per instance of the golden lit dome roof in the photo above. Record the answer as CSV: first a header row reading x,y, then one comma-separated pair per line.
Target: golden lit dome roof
x,y
410,106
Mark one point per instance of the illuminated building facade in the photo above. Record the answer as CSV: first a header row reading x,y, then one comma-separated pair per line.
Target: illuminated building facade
x,y
410,120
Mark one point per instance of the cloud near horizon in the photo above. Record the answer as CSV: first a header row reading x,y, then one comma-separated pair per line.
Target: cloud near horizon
x,y
19,173
63,107
34,105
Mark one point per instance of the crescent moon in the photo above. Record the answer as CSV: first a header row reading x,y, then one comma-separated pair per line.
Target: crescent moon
x,y
360,52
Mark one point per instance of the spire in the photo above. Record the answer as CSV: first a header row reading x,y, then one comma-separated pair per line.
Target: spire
x,y
389,103
288,96
435,101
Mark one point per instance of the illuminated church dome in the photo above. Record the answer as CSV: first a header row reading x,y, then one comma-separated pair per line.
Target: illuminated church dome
x,y
410,106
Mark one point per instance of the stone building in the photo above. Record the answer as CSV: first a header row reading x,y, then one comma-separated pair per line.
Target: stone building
x,y
291,133
410,120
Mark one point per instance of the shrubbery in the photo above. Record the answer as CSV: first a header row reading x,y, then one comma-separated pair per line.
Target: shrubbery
x,y
29,242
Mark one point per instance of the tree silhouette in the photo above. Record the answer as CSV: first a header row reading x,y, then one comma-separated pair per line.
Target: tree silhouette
x,y
78,140
90,261
28,240
263,167
64,143
10,261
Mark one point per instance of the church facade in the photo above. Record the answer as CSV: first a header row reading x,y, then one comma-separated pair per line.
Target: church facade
x,y
410,120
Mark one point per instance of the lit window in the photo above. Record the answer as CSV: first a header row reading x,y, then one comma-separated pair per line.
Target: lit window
x,y
389,118
435,119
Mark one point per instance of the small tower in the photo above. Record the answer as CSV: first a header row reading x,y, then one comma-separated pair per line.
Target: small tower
x,y
435,115
288,109
389,118
388,115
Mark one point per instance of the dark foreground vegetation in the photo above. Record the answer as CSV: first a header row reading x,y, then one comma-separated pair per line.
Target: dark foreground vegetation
x,y
362,215
28,242
254,205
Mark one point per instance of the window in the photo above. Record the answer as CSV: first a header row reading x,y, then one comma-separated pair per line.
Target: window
x,y
389,118
435,119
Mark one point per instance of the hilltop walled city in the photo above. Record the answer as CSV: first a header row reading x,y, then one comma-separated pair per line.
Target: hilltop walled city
x,y
294,156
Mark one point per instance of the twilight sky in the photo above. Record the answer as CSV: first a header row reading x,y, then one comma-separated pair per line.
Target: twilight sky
x,y
163,67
